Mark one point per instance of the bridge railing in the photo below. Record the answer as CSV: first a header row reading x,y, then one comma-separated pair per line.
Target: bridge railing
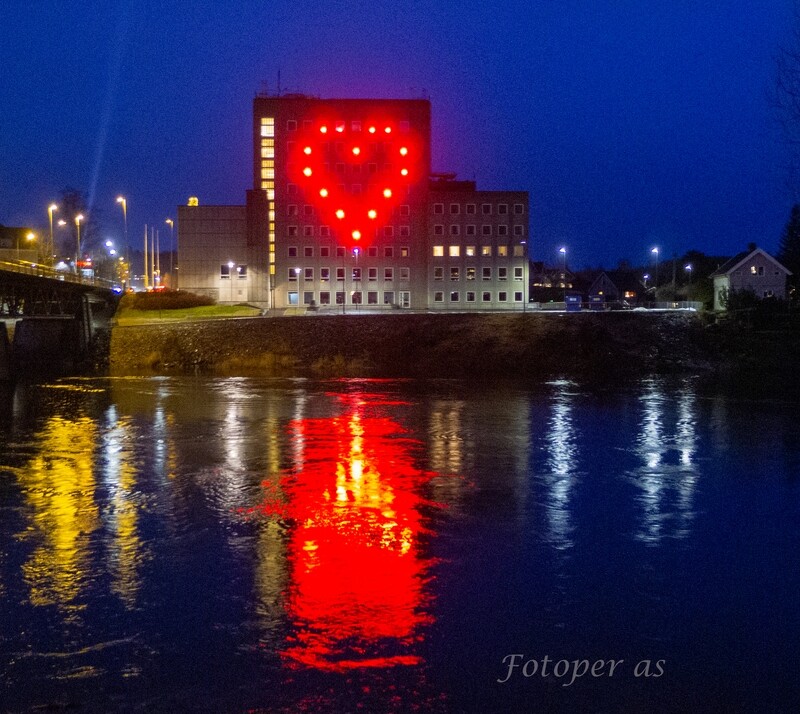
x,y
45,271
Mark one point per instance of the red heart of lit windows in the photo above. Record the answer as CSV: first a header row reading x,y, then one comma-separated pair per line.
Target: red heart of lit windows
x,y
354,178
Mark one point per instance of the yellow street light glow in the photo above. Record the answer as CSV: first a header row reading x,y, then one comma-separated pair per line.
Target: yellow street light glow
x,y
31,236
372,130
323,192
307,150
387,193
78,218
373,214
307,171
340,214
356,235
52,207
403,150
356,151
323,129
404,172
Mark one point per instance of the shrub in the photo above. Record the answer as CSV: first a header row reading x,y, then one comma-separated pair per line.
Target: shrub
x,y
164,300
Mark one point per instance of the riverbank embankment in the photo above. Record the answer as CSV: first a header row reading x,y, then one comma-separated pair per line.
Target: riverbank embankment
x,y
530,345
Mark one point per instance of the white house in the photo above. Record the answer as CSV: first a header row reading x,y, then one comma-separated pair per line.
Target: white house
x,y
754,270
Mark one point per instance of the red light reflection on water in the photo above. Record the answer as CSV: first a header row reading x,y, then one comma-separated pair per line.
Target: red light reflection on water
x,y
357,577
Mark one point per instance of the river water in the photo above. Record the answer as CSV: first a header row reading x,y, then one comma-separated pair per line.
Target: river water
x,y
244,545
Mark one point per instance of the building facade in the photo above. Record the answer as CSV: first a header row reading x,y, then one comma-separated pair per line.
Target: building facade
x,y
754,270
344,215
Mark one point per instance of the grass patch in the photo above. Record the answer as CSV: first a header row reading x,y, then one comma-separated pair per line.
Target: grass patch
x,y
205,312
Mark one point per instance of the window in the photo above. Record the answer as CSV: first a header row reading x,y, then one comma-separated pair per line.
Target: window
x,y
324,232
340,273
502,273
291,125
519,209
308,274
388,274
308,297
486,273
454,251
372,297
502,296
355,297
388,251
372,252
756,270
486,250
292,250
340,251
519,230
242,271
502,230
339,297
372,274
291,209
405,209
454,296
438,209
502,251
486,209
455,273
308,251
308,210
438,251
324,252
471,272
519,251
224,271
438,230
455,209
518,296
291,231
455,229
308,231
405,252
291,189
405,231
388,231
502,209
469,251
405,273
324,275
469,230
438,273
470,296
355,125
438,296
486,230
486,296
325,298
388,297
356,274
470,209
293,272
518,273
293,297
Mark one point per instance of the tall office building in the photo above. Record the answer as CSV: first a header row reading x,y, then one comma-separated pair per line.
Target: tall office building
x,y
343,216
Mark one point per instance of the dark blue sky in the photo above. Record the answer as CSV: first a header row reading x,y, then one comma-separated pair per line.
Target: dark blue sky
x,y
632,123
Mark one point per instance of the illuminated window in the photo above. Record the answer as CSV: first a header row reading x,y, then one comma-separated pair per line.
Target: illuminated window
x,y
438,273
292,295
388,251
388,297
325,232
455,273
405,273
291,125
502,209
438,209
324,298
292,251
340,273
502,251
372,274
455,209
372,252
519,230
470,209
502,230
405,252
357,274
502,296
454,296
470,296
519,209
438,296
405,231
469,230
455,229
502,273
438,251
292,274
486,229
486,273
519,251
308,231
486,209
388,274
470,272
291,231
518,273
469,251
454,251
324,275
486,296
224,272
438,230
340,127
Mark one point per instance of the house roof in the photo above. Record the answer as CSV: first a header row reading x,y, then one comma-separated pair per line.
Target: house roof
x,y
740,259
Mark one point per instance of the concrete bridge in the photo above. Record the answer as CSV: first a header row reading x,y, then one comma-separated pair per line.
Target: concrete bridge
x,y
56,319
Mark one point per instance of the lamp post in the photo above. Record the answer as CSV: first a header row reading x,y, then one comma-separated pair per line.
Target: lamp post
x,y
563,251
173,276
78,220
30,236
230,276
654,251
124,203
49,248
299,291
688,268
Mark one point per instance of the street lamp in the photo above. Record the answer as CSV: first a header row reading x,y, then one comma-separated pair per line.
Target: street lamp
x,y
50,246
563,251
172,275
30,236
688,268
654,251
124,203
78,220
230,276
